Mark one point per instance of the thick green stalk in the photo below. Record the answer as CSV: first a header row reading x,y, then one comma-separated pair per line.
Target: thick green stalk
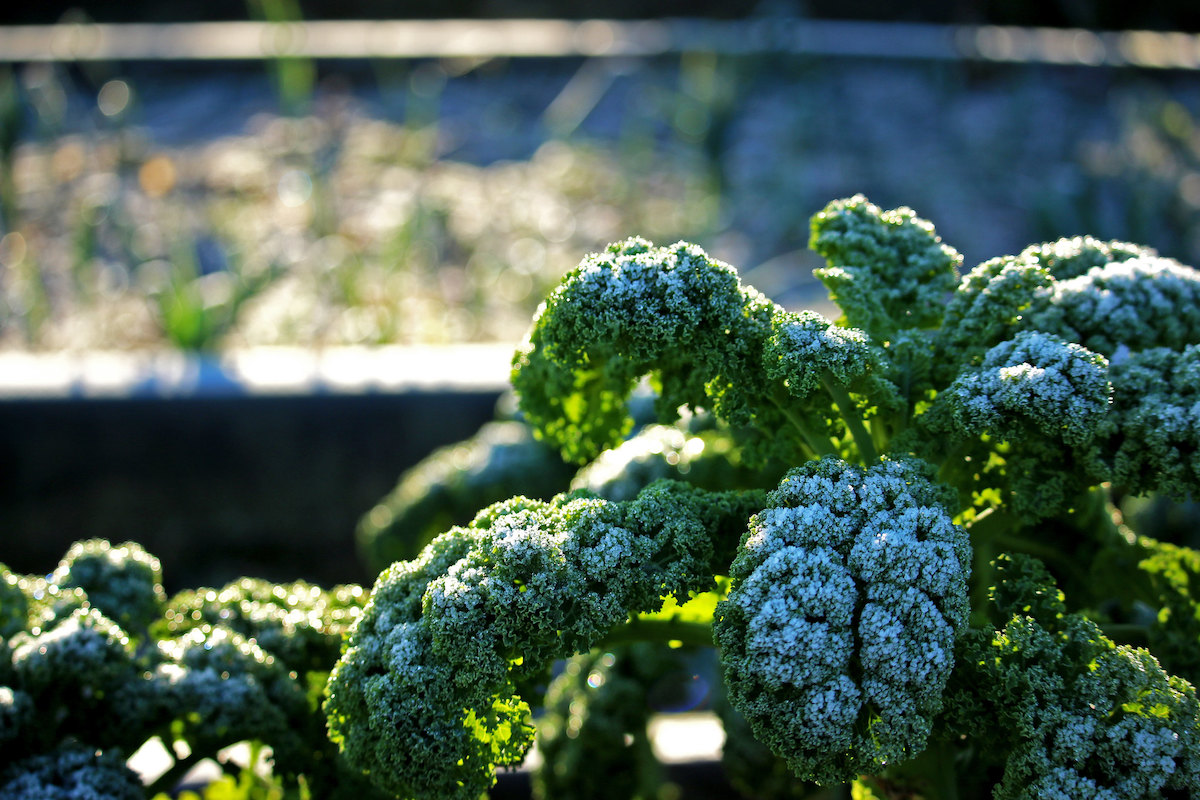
x,y
989,526
943,782
850,415
664,631
879,434
1051,555
952,458
816,441
1019,544
1095,512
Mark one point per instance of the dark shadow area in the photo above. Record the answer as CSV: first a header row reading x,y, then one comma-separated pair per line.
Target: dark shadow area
x,y
1106,14
268,487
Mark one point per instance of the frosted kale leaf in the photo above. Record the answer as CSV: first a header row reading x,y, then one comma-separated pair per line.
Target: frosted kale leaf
x,y
838,635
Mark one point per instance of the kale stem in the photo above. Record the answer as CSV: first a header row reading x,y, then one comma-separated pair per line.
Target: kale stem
x,y
879,434
850,415
982,572
641,629
944,782
818,443
1049,554
992,531
953,456
650,772
991,523
987,527
1096,512
1021,544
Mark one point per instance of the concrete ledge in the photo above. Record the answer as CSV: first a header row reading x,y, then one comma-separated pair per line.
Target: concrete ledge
x,y
258,371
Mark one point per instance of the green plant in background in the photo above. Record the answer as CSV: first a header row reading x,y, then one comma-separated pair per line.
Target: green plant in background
x,y
595,723
935,599
11,118
196,310
292,76
447,488
505,458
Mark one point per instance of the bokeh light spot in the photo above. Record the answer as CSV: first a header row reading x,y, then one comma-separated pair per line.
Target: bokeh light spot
x,y
295,188
68,161
157,176
12,249
114,98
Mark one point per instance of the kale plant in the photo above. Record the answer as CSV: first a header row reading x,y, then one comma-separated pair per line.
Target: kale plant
x,y
897,529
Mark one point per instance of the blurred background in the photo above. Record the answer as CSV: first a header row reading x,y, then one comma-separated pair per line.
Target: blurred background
x,y
257,258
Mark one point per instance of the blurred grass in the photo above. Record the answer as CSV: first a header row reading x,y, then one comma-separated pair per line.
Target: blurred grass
x,y
293,77
320,224
311,231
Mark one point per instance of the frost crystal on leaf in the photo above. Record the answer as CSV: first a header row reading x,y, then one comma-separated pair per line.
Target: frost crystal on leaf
x,y
838,635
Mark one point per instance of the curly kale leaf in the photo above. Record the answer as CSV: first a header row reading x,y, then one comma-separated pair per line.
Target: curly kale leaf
x,y
987,308
1136,304
834,376
637,310
1174,576
1151,437
528,589
805,351
123,581
1068,712
302,625
888,270
1108,297
81,674
547,580
234,689
1032,386
1020,423
1071,257
427,697
838,635
72,772
394,706
792,384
